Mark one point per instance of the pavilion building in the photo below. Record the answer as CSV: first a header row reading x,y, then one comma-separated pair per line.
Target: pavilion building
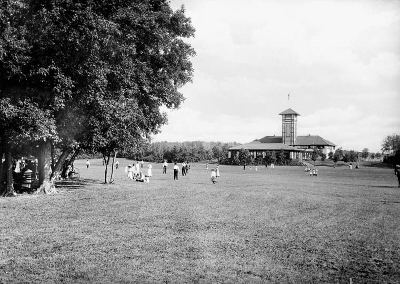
x,y
294,146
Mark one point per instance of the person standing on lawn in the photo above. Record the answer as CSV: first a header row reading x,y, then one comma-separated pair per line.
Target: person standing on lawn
x,y
176,171
130,172
165,165
149,167
397,172
213,176
87,164
183,169
116,164
137,169
217,171
187,167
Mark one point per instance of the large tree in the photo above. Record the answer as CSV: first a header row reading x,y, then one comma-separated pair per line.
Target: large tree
x,y
102,69
23,126
391,143
391,147
365,153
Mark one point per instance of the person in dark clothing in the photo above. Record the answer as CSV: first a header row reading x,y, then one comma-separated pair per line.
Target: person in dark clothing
x,y
165,167
176,171
397,172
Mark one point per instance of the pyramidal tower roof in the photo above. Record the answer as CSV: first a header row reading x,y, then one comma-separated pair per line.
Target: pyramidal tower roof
x,y
289,111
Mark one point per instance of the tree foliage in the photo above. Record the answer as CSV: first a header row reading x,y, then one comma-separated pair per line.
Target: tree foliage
x,y
391,143
391,149
94,73
365,153
193,151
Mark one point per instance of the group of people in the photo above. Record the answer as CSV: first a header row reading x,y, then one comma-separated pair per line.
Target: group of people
x,y
214,174
250,167
135,172
313,172
185,169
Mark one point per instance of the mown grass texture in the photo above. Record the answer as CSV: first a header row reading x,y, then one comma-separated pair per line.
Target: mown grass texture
x,y
265,226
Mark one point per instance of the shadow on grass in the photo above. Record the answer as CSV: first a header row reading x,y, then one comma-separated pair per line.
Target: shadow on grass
x,y
383,186
74,183
388,201
377,165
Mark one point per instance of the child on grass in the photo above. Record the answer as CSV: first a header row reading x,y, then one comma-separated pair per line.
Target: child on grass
x,y
213,176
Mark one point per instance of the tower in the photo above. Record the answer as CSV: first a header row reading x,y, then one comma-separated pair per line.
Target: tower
x,y
289,126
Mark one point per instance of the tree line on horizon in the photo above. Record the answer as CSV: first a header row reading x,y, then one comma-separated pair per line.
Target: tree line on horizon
x,y
195,151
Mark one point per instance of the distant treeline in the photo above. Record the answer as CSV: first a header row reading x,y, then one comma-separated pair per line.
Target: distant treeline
x,y
192,151
195,151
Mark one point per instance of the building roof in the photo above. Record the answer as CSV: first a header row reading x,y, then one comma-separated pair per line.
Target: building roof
x,y
289,111
312,140
258,146
270,139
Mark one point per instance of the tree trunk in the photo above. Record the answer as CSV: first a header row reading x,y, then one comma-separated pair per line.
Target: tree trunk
x,y
48,183
10,182
68,162
58,166
106,160
112,167
2,173
52,166
41,161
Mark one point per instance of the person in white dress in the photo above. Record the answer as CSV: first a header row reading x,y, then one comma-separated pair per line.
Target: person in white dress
x,y
217,171
130,172
149,167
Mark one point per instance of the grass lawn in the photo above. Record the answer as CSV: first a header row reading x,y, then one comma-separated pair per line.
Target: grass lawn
x,y
265,226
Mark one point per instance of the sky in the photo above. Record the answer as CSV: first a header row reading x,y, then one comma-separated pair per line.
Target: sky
x,y
338,60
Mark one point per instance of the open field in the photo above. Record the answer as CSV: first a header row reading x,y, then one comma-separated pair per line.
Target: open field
x,y
270,226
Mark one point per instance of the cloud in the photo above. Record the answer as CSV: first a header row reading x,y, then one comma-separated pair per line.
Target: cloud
x,y
339,60
187,124
349,127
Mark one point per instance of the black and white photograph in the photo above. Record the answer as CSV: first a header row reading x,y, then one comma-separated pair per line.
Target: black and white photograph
x,y
199,141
